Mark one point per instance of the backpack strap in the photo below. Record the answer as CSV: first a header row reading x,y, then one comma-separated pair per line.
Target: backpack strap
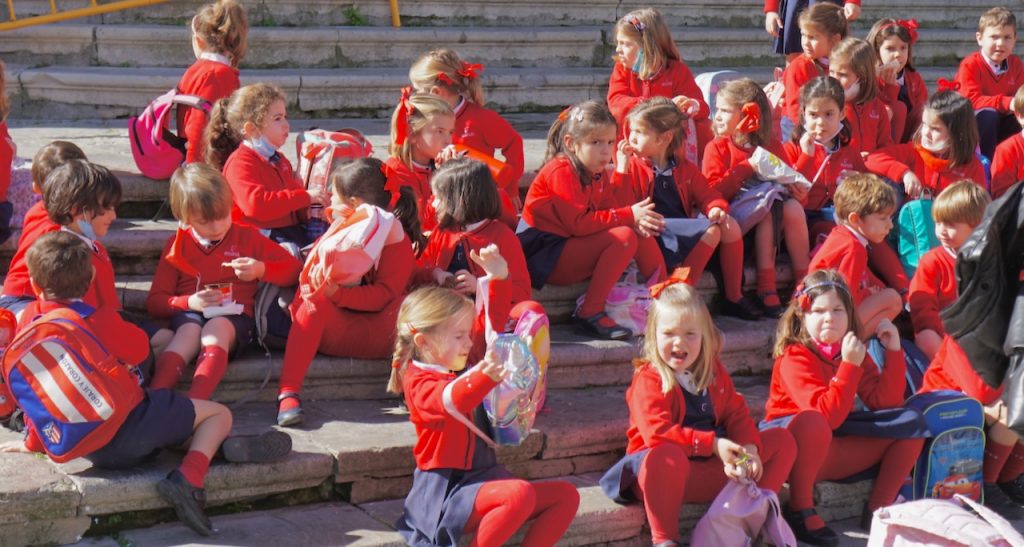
x,y
193,101
449,406
82,309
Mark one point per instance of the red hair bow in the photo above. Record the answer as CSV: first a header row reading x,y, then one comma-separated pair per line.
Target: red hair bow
x,y
445,79
658,288
471,71
911,26
947,85
751,120
563,116
392,185
405,109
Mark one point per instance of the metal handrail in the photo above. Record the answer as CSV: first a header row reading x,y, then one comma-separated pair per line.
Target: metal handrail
x,y
396,19
94,8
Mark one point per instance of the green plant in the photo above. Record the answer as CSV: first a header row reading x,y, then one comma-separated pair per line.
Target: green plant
x,y
353,17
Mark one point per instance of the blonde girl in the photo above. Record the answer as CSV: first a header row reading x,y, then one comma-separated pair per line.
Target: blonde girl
x,y
902,87
852,64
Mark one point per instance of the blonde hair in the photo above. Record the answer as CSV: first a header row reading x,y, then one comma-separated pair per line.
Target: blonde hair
x,y
648,28
996,18
743,91
224,28
660,115
199,192
421,312
5,105
424,108
227,119
680,299
578,122
791,328
860,57
427,72
826,17
1018,102
864,194
963,201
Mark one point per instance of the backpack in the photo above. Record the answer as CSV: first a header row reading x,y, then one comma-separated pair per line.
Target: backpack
x,y
917,362
319,150
8,328
74,393
273,320
709,84
957,522
156,149
915,232
951,460
627,303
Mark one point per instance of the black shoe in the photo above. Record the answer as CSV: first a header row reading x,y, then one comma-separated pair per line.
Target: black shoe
x,y
592,326
270,446
292,416
866,516
823,537
742,308
188,502
774,312
998,501
1014,489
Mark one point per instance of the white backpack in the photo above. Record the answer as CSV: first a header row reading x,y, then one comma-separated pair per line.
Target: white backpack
x,y
938,522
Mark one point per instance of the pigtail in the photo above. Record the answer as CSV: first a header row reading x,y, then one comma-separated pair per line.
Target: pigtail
x,y
224,27
219,139
790,330
408,214
474,90
556,140
400,360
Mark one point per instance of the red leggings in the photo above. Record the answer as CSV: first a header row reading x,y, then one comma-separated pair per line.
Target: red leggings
x,y
668,479
821,457
503,506
602,257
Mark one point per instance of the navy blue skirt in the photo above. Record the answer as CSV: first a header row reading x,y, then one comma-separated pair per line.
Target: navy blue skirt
x,y
788,40
887,423
542,251
617,483
680,237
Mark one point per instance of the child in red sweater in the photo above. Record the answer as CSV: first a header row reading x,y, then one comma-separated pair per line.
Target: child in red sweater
x,y
443,73
956,211
458,486
852,64
822,27
648,64
219,33
683,410
209,258
1008,161
574,227
990,77
242,140
784,27
902,88
821,367
352,321
743,122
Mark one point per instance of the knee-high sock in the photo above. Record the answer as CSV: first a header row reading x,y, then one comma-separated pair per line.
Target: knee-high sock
x,y
212,364
169,367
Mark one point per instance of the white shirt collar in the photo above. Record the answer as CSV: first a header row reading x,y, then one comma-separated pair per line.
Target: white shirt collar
x,y
996,68
951,252
459,106
431,368
215,57
91,243
475,225
863,240
686,381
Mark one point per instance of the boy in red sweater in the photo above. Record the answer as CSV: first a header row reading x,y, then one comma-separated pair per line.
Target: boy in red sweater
x,y
990,77
1008,161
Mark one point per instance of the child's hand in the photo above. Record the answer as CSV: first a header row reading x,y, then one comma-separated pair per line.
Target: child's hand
x,y
490,259
853,349
888,335
851,11
494,369
647,220
911,184
798,192
729,452
447,153
204,299
247,269
465,283
14,447
444,279
716,215
622,156
686,105
772,23
887,72
807,143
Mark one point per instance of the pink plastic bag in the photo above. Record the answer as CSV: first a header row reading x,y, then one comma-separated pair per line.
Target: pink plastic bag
x,y
743,514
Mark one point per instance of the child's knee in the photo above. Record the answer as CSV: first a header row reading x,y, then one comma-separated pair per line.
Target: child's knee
x,y
780,442
218,331
712,236
793,215
730,229
667,460
624,236
810,428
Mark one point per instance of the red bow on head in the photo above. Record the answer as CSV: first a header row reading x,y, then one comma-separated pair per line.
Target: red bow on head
x,y
405,109
658,288
911,26
471,71
444,79
947,85
751,120
392,185
563,116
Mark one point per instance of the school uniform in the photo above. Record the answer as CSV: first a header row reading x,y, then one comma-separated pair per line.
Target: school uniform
x,y
990,89
211,78
846,252
486,131
934,173
952,370
788,40
906,98
932,289
267,194
17,291
726,165
6,160
416,177
102,292
870,126
823,170
798,72
1007,165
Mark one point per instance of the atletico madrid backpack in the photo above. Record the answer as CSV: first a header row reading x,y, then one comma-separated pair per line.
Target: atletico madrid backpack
x,y
74,393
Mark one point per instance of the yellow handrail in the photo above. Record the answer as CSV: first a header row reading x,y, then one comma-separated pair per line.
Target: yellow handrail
x,y
396,20
55,15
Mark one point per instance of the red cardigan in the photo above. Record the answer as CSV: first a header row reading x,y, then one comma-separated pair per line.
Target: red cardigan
x,y
212,81
37,222
843,252
656,418
870,125
799,71
1007,165
917,92
803,380
266,195
381,285
417,178
727,165
932,289
486,131
894,161
983,88
694,191
824,187
626,89
560,204
950,369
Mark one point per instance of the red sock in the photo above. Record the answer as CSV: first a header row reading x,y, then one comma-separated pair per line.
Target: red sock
x,y
995,460
766,287
696,261
194,467
169,367
210,368
731,255
1014,464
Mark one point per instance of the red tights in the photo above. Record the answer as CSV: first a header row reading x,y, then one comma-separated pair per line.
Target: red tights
x,y
668,479
503,506
603,257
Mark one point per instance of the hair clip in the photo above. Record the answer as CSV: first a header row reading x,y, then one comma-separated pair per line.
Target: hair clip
x,y
563,116
576,114
412,329
405,109
471,71
658,288
396,364
947,85
804,300
639,25
751,120
445,79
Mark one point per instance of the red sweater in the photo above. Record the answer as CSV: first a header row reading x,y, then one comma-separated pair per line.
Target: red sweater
x,y
950,369
626,89
799,71
917,92
6,159
1007,165
171,287
932,289
266,195
824,180
870,125
441,440
36,223
894,161
983,88
417,178
843,252
381,285
773,5
727,165
694,191
560,204
656,418
803,380
211,81
486,131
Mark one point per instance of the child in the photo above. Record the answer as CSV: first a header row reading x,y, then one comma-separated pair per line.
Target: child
x,y
17,292
573,227
443,73
458,486
219,34
358,320
820,368
697,216
956,211
683,409
207,252
902,87
60,265
7,152
822,26
647,65
242,139
941,152
990,77
784,27
864,208
852,64
743,122
1008,160
421,132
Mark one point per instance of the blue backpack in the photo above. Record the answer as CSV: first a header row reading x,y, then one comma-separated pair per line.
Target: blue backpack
x,y
915,232
952,458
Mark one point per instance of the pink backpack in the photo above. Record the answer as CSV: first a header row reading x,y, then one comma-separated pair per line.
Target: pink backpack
x,y
957,522
156,149
319,150
743,514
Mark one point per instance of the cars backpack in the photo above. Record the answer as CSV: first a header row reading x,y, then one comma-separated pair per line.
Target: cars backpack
x,y
319,151
157,150
951,460
915,232
74,393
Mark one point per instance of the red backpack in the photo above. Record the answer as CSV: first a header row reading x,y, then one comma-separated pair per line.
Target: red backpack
x,y
156,149
74,393
8,328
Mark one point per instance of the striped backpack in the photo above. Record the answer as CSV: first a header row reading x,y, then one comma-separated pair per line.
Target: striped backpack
x,y
74,393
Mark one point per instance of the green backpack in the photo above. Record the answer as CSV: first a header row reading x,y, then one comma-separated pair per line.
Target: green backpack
x,y
915,231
